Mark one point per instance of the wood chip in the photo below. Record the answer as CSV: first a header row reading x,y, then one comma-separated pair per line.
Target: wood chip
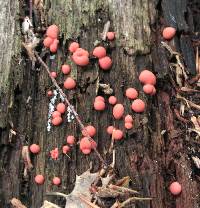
x,y
16,203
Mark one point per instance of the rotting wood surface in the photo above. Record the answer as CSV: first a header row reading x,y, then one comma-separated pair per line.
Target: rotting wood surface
x,y
150,158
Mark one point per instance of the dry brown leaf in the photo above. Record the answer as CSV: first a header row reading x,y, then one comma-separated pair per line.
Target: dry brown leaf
x,y
82,187
123,182
122,189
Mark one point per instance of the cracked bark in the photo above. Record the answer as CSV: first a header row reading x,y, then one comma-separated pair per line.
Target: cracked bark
x,y
151,159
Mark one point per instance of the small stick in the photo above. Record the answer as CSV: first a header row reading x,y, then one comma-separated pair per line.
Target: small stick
x,y
180,117
123,189
113,162
69,105
31,10
56,194
197,60
133,199
112,143
195,79
105,30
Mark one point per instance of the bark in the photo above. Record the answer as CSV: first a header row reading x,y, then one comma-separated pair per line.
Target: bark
x,y
152,159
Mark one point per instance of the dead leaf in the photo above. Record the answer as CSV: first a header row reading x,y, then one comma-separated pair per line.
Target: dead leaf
x,y
123,182
82,187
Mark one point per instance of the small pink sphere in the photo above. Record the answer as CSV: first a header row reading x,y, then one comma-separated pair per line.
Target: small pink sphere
x,y
118,111
91,130
131,93
110,35
61,107
56,181
112,100
71,139
69,83
117,134
53,74
128,119
99,105
110,129
86,151
169,33
105,63
99,52
148,88
34,148
49,93
73,47
99,98
138,106
39,179
56,114
65,69
175,188
65,149
128,125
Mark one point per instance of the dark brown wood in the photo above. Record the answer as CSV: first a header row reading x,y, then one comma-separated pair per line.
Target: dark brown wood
x,y
159,148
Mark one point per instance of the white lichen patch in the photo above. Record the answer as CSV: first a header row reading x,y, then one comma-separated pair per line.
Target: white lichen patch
x,y
70,115
51,108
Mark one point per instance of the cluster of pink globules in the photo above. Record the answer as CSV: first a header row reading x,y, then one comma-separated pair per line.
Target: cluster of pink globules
x,y
81,57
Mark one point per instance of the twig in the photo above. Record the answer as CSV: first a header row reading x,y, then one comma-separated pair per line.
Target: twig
x,y
69,105
180,117
113,161
186,89
197,60
112,143
132,199
31,10
122,189
195,79
56,194
105,30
